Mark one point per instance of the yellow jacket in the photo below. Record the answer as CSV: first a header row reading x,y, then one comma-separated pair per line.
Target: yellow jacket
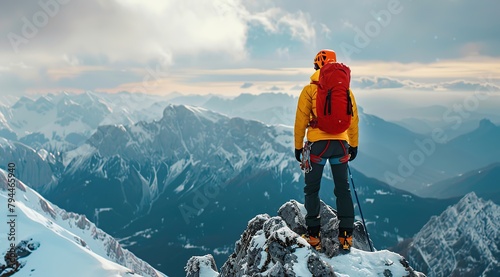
x,y
306,110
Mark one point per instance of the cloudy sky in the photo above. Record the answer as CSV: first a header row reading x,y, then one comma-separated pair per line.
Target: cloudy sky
x,y
228,47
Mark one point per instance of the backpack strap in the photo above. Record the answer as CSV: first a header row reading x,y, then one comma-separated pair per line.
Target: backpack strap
x,y
328,106
349,104
313,122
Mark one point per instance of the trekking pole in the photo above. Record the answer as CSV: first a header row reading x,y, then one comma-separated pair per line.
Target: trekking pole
x,y
360,211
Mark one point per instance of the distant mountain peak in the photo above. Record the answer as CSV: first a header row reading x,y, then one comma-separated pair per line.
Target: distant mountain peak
x,y
462,241
486,123
172,111
469,198
23,101
175,110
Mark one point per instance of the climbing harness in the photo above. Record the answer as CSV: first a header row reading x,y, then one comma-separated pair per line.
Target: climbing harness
x,y
307,158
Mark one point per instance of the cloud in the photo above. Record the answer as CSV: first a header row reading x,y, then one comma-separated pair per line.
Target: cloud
x,y
279,20
131,29
462,85
478,67
325,31
297,87
283,52
124,30
246,85
71,41
274,88
299,26
93,80
376,83
54,35
403,35
392,83
10,80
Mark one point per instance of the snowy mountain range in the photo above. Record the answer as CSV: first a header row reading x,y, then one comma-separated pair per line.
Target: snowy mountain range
x,y
197,168
58,122
388,152
193,167
44,240
174,178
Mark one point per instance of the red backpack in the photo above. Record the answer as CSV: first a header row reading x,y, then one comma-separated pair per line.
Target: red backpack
x,y
333,101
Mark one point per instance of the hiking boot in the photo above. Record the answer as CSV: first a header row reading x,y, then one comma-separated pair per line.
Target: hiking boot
x,y
315,242
345,240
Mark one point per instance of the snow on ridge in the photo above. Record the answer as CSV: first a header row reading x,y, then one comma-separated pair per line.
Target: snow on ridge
x,y
242,160
5,143
174,171
81,153
43,154
3,120
204,113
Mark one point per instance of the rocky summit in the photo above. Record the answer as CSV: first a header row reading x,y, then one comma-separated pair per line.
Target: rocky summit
x,y
273,246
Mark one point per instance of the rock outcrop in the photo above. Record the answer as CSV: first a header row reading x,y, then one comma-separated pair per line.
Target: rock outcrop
x,y
273,246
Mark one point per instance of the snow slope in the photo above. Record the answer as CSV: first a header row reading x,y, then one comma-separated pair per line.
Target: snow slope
x,y
59,243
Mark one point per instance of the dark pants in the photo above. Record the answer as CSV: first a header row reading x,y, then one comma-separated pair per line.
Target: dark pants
x,y
345,207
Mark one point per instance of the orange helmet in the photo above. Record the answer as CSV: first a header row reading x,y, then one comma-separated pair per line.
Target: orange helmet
x,y
324,56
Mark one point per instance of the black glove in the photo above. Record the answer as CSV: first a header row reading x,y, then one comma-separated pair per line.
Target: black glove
x,y
298,152
353,151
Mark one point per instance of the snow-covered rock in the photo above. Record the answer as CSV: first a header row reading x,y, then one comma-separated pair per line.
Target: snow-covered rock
x,y
202,266
271,246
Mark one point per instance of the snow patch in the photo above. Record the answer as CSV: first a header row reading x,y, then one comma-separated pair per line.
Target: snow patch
x,y
369,264
382,192
80,154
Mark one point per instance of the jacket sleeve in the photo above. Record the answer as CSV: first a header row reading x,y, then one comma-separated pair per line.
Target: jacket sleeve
x,y
302,116
353,131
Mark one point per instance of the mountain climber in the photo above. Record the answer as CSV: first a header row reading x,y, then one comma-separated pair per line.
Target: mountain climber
x,y
338,148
